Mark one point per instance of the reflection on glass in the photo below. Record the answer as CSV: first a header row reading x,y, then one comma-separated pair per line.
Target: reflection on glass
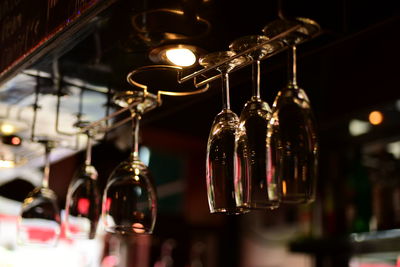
x,y
129,200
39,222
221,144
256,188
83,200
292,134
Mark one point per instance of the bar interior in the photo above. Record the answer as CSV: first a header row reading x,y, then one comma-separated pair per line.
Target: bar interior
x,y
199,133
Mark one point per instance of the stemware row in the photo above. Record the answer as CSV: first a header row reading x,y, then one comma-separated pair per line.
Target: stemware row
x,y
129,201
266,156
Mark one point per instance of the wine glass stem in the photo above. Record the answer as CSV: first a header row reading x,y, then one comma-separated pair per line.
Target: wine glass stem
x,y
225,90
256,78
135,135
292,67
88,160
46,171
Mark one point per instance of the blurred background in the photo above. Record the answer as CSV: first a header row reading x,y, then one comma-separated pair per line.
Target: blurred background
x,y
349,71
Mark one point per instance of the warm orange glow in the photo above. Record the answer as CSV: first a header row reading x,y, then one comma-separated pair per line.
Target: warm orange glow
x,y
375,117
138,228
284,187
16,140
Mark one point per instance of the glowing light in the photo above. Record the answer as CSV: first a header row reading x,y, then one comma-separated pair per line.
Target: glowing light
x,y
181,56
375,117
16,140
394,148
7,164
284,187
7,128
138,228
144,154
83,206
358,127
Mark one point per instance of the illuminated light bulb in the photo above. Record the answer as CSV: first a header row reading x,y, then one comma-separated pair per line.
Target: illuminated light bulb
x,y
7,164
181,56
7,128
375,117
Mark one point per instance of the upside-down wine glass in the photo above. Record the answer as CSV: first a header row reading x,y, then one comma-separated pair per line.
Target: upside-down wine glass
x,y
253,175
130,200
220,158
83,207
40,222
292,132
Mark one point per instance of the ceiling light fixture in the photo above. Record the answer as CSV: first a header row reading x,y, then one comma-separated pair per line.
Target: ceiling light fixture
x,y
7,128
181,57
6,164
176,54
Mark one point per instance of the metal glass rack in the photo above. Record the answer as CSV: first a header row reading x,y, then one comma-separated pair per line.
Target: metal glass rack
x,y
200,78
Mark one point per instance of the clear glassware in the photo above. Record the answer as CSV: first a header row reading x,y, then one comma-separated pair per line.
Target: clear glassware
x,y
220,158
40,221
292,133
83,207
260,190
130,200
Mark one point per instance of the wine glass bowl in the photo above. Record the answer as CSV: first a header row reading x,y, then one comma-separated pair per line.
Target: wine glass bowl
x,y
82,208
39,222
83,204
129,204
130,199
255,187
292,135
297,148
220,159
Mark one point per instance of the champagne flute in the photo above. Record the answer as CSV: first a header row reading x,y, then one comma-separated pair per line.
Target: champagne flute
x,y
259,187
292,133
129,200
82,209
40,222
221,143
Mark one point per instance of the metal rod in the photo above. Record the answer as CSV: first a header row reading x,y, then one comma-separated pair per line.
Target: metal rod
x,y
58,105
112,115
35,108
222,62
107,110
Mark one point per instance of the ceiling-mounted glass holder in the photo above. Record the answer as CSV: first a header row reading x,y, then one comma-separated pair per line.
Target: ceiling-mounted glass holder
x,y
108,107
193,76
35,107
57,81
144,94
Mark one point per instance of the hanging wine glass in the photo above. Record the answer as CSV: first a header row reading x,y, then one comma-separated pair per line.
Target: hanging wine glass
x,y
82,209
129,200
221,143
39,222
292,133
260,189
